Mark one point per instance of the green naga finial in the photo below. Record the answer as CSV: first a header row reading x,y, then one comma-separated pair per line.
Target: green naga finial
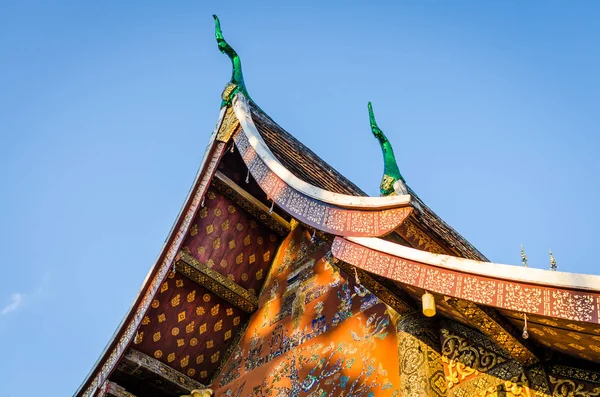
x,y
392,181
237,78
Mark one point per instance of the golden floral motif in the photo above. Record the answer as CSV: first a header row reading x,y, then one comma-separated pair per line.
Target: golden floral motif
x,y
175,331
191,372
217,212
191,296
164,287
200,359
209,229
215,357
180,342
216,243
190,327
227,334
202,328
203,213
158,354
236,320
231,209
161,317
201,250
210,263
239,227
203,374
240,258
568,388
244,276
193,342
210,344
200,310
215,309
184,361
139,337
179,283
247,240
206,297
155,304
420,239
171,357
194,230
181,317
595,348
176,300
259,274
223,263
576,346
156,336
462,359
231,244
146,320
251,259
267,256
229,311
218,326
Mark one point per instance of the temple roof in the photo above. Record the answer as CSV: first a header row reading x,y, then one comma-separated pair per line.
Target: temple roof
x,y
308,166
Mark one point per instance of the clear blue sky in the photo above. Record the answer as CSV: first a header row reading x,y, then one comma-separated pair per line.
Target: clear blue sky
x,y
105,110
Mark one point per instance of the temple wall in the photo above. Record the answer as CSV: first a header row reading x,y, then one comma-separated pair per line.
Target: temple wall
x,y
316,333
319,333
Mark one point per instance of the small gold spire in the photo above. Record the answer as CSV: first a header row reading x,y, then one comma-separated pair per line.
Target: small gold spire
x,y
553,265
523,257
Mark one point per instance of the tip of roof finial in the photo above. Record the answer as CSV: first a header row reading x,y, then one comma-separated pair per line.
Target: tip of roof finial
x,y
374,127
236,83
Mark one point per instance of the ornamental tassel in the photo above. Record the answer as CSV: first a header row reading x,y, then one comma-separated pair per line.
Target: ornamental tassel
x,y
525,332
248,177
272,205
428,304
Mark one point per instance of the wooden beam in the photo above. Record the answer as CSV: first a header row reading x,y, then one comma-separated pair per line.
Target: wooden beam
x,y
170,379
216,282
250,204
498,329
114,390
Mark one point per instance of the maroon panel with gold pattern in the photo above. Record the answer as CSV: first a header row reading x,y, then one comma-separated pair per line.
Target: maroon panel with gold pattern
x,y
231,242
188,328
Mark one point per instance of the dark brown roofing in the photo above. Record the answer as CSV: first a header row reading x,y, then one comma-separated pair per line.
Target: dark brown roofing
x,y
306,165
